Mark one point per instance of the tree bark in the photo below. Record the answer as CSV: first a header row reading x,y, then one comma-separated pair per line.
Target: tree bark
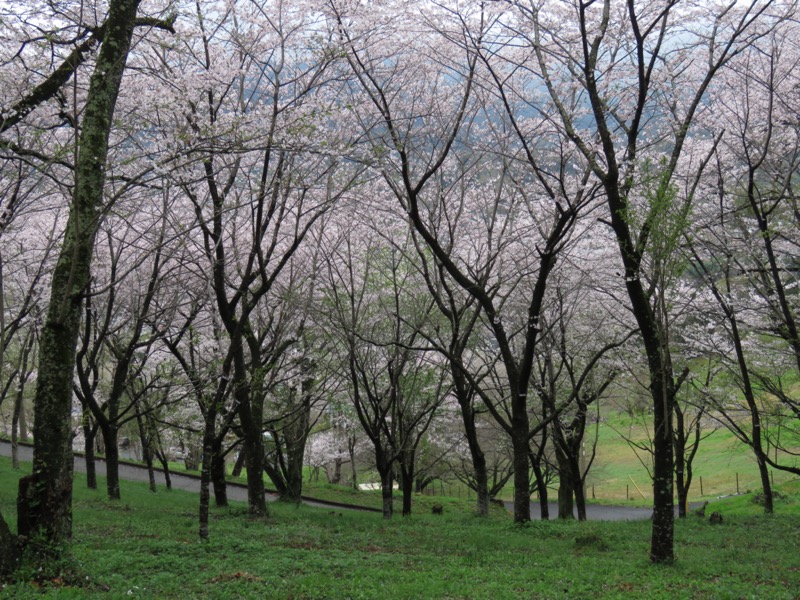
x,y
295,435
680,462
351,450
477,456
45,496
481,484
522,492
15,430
662,385
205,477
541,491
218,473
165,468
662,538
387,481
9,549
566,485
765,482
336,478
580,501
407,483
238,465
89,437
19,399
109,433
253,445
147,451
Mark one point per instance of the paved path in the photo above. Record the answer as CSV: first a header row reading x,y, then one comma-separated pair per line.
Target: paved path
x,y
132,472
595,512
236,491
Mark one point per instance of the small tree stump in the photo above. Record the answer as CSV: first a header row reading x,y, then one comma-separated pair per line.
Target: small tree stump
x,y
701,512
437,509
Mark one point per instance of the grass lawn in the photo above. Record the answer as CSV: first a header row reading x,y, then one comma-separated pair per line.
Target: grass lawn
x,y
720,459
147,547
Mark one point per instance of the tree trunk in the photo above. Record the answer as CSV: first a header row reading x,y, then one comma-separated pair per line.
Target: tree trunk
x,y
162,458
662,539
522,492
23,423
15,433
147,452
251,417
205,477
682,490
193,457
273,471
475,451
580,501
680,461
253,446
387,481
14,444
765,482
89,437
9,550
294,484
238,465
351,450
482,491
45,496
566,505
662,385
296,435
218,474
566,485
109,433
407,483
18,410
541,491
337,472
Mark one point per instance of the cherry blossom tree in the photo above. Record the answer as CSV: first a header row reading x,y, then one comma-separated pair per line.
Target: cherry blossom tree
x,y
253,83
746,249
438,191
45,496
301,383
573,363
379,315
627,81
119,328
195,339
28,239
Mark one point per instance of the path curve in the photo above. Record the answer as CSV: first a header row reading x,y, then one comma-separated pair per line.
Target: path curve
x,y
190,483
237,491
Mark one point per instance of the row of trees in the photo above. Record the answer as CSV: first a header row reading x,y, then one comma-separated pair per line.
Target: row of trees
x,y
260,220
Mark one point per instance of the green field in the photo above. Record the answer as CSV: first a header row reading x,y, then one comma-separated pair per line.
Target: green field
x,y
147,547
719,460
617,476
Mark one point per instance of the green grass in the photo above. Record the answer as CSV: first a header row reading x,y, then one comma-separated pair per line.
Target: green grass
x,y
613,479
146,547
719,460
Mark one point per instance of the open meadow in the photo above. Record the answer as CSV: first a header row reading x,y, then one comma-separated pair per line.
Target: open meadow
x,y
146,546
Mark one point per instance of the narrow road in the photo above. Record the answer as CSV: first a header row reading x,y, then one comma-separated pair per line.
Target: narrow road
x,y
237,491
132,472
594,512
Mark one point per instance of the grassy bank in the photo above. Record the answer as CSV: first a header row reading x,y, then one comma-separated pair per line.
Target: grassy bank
x,y
146,547
721,461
